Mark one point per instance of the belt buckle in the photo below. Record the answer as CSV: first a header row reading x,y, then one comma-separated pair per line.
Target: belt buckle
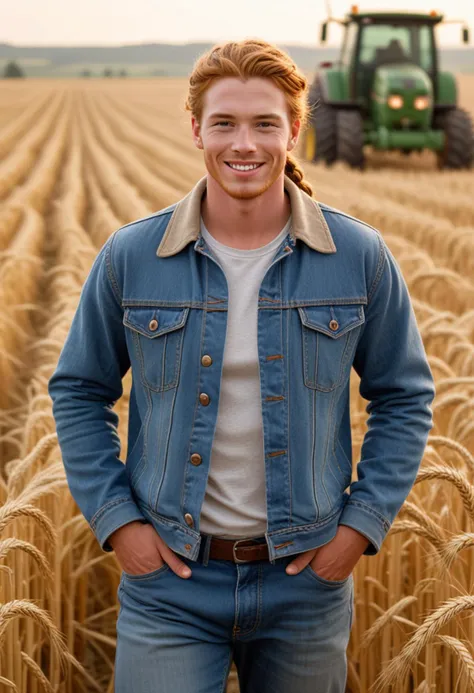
x,y
240,560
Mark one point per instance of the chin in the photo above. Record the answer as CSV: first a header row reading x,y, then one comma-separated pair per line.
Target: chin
x,y
242,191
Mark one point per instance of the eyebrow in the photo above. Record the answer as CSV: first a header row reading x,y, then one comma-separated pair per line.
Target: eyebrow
x,y
263,116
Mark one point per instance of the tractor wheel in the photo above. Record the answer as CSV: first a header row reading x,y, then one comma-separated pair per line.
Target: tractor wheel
x,y
458,150
320,136
350,138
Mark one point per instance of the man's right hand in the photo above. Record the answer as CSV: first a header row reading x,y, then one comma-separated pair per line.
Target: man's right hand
x,y
140,549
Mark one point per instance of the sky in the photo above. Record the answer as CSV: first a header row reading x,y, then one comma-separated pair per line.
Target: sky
x,y
115,22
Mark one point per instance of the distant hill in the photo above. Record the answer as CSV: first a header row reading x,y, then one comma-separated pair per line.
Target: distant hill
x,y
163,59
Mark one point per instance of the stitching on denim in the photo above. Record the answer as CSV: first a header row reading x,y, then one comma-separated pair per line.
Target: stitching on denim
x,y
351,333
159,333
138,350
177,357
168,210
259,603
226,673
165,460
236,608
198,381
109,269
337,212
287,404
153,497
172,523
107,506
136,477
380,267
143,578
284,305
322,581
337,443
305,528
314,401
320,328
330,427
368,509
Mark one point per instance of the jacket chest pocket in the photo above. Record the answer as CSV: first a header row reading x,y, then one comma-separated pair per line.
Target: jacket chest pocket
x,y
158,339
329,335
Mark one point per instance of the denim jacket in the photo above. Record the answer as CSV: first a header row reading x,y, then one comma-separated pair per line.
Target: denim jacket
x,y
156,300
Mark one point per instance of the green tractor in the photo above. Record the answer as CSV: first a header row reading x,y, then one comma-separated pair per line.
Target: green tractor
x,y
387,91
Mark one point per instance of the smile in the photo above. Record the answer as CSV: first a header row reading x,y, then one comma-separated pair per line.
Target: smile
x,y
247,168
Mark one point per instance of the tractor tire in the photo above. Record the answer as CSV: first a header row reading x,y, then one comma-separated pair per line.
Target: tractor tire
x,y
320,136
458,152
350,138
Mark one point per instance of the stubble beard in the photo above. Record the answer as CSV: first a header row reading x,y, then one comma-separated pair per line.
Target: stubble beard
x,y
240,193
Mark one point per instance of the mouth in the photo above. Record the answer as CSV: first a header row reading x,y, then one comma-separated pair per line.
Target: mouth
x,y
249,172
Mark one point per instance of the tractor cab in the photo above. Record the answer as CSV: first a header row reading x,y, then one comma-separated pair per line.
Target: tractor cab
x,y
378,39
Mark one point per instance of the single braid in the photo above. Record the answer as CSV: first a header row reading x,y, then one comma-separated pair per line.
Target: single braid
x,y
296,173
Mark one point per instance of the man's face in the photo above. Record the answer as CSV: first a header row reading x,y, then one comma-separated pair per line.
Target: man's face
x,y
245,123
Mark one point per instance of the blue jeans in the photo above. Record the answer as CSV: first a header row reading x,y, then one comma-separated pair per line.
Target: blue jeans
x,y
285,632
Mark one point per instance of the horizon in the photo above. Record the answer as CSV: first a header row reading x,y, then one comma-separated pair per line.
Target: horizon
x,y
109,23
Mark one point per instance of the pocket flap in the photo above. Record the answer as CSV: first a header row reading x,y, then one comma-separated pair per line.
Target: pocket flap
x,y
167,319
321,318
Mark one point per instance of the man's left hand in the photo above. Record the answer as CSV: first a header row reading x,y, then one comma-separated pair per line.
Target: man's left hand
x,y
335,560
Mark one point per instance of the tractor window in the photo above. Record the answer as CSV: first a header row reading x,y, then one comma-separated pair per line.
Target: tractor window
x,y
350,40
381,42
426,48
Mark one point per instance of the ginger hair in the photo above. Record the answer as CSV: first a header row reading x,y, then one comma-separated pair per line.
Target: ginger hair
x,y
253,58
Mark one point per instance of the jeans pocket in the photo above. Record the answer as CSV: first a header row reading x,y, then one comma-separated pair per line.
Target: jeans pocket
x,y
146,576
327,583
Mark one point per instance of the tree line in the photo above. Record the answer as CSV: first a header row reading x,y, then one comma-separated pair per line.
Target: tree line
x,y
14,71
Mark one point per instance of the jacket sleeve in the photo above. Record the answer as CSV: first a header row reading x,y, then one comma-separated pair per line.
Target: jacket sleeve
x,y
84,387
391,362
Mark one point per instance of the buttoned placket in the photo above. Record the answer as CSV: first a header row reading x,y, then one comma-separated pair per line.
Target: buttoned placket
x,y
202,247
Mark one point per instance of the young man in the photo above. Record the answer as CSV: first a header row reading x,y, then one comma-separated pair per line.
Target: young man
x,y
241,310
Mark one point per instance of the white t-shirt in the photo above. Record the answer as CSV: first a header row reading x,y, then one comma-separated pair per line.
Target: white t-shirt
x,y
235,501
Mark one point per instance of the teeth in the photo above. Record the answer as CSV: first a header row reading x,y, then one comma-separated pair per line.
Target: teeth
x,y
244,168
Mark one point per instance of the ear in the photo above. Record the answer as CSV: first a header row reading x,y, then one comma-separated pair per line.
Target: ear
x,y
196,128
295,131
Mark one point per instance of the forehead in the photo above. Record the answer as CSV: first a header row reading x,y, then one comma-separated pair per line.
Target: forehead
x,y
244,98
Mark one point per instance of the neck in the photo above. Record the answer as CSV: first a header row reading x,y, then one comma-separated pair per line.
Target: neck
x,y
245,224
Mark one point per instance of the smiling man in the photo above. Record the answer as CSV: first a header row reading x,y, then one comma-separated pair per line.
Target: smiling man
x,y
241,311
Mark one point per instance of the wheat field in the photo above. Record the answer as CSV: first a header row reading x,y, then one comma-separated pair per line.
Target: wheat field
x,y
78,160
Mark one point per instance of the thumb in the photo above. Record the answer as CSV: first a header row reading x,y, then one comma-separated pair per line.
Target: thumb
x,y
300,562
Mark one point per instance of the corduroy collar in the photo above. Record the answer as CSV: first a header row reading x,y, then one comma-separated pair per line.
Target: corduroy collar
x,y
308,222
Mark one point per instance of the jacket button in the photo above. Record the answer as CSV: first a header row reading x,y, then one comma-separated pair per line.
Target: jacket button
x,y
204,399
196,458
206,360
333,324
153,324
189,520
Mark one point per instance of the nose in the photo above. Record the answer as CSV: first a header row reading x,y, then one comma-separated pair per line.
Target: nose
x,y
243,140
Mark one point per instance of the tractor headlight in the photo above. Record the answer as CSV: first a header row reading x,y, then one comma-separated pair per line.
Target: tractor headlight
x,y
421,103
395,101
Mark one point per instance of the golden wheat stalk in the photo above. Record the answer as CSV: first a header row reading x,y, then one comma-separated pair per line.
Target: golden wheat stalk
x,y
397,669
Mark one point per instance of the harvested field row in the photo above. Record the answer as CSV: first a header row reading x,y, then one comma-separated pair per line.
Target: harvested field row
x,y
80,159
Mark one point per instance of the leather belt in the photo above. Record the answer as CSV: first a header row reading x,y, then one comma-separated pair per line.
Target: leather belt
x,y
238,550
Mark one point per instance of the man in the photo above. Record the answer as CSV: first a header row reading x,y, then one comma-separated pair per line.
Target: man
x,y
241,311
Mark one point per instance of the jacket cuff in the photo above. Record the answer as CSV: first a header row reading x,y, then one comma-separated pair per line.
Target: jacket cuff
x,y
113,515
368,522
